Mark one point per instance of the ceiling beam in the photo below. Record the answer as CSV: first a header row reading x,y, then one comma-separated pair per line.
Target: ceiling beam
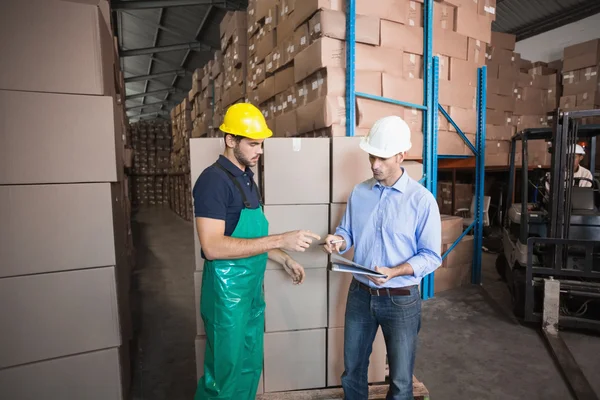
x,y
158,49
146,105
148,4
561,18
143,94
141,78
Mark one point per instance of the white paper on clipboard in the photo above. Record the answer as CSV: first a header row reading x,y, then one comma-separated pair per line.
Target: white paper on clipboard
x,y
340,264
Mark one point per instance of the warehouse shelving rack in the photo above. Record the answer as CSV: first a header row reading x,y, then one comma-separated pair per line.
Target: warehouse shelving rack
x,y
430,129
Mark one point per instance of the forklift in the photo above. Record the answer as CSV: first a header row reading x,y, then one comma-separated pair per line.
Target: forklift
x,y
551,240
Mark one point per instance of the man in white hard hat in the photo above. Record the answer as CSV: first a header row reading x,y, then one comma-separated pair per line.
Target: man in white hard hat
x,y
582,176
393,223
579,171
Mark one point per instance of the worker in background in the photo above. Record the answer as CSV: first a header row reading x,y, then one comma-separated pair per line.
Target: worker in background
x,y
233,233
394,225
582,176
579,171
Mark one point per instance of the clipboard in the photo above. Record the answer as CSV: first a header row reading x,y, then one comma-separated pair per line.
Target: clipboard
x,y
340,264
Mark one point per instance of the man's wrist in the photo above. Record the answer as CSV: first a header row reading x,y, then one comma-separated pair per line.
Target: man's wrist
x,y
403,270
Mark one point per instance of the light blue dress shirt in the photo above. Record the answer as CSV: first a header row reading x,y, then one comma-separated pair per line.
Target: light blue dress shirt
x,y
392,225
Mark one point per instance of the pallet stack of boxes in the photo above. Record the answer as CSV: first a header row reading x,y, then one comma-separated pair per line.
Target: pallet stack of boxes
x,y
521,95
580,77
64,237
151,144
179,173
201,98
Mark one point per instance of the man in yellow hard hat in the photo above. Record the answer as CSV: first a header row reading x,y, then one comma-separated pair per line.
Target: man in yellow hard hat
x,y
233,233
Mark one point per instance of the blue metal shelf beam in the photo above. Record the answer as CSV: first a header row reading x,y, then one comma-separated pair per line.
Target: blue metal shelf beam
x,y
430,109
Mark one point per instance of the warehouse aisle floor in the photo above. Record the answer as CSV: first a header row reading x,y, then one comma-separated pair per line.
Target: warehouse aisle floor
x,y
468,347
166,367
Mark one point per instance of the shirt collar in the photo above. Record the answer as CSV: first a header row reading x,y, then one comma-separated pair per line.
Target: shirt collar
x,y
400,184
232,168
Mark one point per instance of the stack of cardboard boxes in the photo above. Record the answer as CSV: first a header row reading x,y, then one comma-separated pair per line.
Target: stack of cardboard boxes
x,y
521,95
201,97
297,64
64,237
151,144
179,173
581,88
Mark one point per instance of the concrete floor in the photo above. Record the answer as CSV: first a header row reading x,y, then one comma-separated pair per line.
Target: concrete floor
x,y
469,346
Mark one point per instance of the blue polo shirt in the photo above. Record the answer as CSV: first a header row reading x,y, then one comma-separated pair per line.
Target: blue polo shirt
x,y
217,197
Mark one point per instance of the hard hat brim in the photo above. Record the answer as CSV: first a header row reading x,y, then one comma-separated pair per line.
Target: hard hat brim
x,y
267,133
365,146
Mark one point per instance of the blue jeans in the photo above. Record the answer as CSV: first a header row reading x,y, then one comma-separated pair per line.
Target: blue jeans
x,y
400,321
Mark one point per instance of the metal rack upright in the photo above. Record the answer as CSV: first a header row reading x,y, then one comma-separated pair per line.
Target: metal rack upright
x,y
430,128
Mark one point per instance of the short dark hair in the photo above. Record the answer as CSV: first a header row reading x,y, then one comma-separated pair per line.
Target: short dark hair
x,y
236,138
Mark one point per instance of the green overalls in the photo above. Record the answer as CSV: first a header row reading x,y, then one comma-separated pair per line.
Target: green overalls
x,y
232,308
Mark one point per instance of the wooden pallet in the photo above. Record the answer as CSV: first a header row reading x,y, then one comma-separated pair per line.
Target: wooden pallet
x,y
376,392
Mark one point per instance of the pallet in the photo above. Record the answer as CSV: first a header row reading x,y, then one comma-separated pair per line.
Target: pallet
x,y
376,392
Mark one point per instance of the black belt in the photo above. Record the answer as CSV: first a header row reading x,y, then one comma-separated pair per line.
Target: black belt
x,y
403,291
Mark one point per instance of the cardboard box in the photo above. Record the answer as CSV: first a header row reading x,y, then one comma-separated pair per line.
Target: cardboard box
x,y
503,40
444,16
500,56
529,107
508,72
463,72
414,16
369,111
462,254
498,117
391,10
452,278
499,132
61,154
307,158
284,79
286,124
450,44
497,153
449,143
82,64
590,99
333,24
295,307
303,10
28,240
335,357
408,90
324,52
504,88
412,66
321,113
287,218
93,376
452,228
83,317
582,61
295,360
476,52
453,94
414,118
470,24
529,122
590,47
412,37
466,119
501,103
349,167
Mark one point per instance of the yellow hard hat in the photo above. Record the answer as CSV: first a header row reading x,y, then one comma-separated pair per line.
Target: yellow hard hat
x,y
244,119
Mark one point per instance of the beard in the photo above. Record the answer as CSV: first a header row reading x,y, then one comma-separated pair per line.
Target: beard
x,y
239,156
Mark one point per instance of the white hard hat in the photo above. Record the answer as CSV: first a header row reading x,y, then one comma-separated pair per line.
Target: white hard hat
x,y
578,149
388,137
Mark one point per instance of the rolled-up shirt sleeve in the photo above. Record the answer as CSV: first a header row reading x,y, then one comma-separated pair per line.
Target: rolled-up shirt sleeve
x,y
429,239
344,229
